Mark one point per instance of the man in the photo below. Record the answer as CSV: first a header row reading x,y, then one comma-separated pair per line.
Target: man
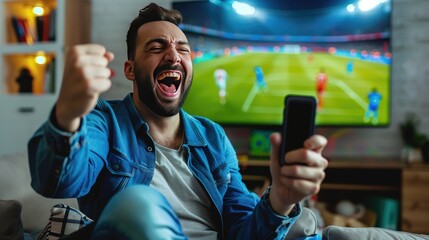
x,y
350,68
321,84
374,99
261,84
221,76
143,168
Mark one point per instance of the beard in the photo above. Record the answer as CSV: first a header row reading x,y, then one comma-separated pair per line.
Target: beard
x,y
146,93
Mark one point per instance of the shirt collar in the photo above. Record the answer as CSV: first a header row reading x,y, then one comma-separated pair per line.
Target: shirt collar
x,y
193,130
135,117
193,135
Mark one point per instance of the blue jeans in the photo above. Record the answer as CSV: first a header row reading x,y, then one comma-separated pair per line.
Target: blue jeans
x,y
138,212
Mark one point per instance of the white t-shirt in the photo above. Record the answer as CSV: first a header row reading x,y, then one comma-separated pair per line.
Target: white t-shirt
x,y
185,194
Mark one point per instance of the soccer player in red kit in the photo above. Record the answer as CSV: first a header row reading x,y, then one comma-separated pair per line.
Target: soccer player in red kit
x,y
321,83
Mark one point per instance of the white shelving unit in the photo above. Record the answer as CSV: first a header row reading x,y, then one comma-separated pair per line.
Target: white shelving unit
x,y
23,112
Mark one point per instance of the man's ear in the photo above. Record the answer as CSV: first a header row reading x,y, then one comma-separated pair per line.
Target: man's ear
x,y
129,70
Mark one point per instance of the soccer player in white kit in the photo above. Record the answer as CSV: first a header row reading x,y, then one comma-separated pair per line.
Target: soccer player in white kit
x,y
221,76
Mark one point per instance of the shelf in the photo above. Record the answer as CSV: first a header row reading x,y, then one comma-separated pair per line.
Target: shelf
x,y
358,187
21,48
357,179
31,65
356,163
366,163
40,78
254,178
262,163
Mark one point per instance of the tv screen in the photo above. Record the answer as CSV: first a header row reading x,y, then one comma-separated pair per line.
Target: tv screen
x,y
248,56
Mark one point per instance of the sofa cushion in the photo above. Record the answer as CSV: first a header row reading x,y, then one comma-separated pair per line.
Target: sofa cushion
x,y
64,221
15,185
372,233
10,220
305,225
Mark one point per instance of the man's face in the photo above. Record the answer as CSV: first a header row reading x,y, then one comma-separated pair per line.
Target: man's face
x,y
162,67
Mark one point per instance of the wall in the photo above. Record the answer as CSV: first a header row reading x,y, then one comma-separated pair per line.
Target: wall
x,y
410,75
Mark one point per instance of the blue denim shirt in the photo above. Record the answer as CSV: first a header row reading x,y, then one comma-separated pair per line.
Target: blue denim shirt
x,y
113,149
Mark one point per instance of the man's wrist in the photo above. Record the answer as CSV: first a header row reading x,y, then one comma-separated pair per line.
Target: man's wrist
x,y
71,126
292,210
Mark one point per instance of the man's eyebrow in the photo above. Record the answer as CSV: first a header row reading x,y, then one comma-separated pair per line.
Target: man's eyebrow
x,y
157,40
183,42
164,41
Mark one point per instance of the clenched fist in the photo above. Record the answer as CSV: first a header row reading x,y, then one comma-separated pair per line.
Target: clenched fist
x,y
86,76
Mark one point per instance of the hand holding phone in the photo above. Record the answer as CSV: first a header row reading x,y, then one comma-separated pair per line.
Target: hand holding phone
x,y
299,116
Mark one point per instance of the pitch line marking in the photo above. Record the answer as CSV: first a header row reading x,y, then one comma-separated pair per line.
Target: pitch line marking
x,y
351,93
249,99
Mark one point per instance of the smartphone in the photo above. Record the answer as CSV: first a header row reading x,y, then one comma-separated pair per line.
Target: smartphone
x,y
299,116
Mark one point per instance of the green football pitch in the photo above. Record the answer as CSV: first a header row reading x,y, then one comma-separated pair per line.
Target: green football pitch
x,y
345,100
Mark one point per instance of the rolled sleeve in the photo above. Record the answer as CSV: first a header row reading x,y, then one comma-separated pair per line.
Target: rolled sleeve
x,y
282,223
62,142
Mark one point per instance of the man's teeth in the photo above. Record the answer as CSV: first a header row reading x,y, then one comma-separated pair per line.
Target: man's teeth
x,y
174,75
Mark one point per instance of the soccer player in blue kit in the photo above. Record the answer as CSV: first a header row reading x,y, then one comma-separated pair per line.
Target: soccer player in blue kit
x,y
349,68
260,79
374,98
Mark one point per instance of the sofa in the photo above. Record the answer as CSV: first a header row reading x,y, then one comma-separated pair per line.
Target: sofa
x,y
15,185
24,213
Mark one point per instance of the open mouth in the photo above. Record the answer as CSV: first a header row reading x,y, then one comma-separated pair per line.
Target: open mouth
x,y
169,81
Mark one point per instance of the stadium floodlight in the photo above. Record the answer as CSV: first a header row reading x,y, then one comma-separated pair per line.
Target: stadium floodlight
x,y
216,2
243,8
367,5
351,8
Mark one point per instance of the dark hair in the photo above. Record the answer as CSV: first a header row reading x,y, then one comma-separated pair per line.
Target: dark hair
x,y
151,13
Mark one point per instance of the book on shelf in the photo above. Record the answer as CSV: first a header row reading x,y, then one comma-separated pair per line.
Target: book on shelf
x,y
18,28
49,83
52,25
23,32
45,26
45,30
39,28
29,39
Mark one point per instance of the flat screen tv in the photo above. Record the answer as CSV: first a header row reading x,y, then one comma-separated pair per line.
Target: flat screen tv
x,y
244,65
